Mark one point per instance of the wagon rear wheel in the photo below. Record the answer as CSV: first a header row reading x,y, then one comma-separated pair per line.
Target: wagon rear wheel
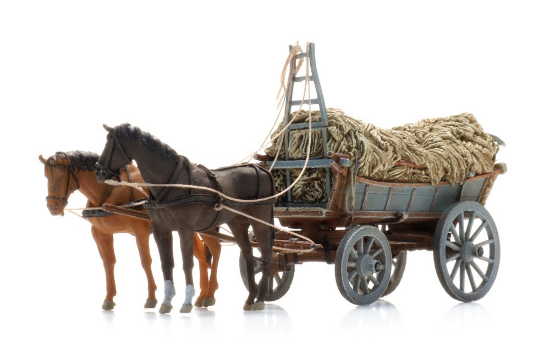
x,y
466,251
397,271
398,266
278,283
363,265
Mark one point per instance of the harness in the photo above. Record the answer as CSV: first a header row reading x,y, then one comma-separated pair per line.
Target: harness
x,y
158,202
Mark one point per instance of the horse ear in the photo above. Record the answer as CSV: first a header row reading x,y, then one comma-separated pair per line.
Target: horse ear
x,y
109,129
42,160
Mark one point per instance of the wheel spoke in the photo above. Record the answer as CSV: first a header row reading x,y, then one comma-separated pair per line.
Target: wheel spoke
x,y
351,264
471,278
479,271
470,224
376,253
455,268
373,280
455,235
353,254
453,257
370,241
356,284
485,259
462,276
351,275
360,246
452,246
365,285
461,226
478,231
487,242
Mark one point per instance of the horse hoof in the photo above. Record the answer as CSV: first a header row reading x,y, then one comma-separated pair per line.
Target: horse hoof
x,y
165,309
150,303
259,305
199,303
186,308
209,302
248,307
108,305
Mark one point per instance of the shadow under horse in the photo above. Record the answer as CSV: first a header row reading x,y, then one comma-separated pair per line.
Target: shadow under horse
x,y
186,210
70,171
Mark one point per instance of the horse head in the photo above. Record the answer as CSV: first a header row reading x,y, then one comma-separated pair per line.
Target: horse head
x,y
62,182
113,158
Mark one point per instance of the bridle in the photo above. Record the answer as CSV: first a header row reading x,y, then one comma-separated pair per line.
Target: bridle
x,y
70,173
104,169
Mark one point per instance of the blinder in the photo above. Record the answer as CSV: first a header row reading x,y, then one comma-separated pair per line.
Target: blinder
x,y
104,172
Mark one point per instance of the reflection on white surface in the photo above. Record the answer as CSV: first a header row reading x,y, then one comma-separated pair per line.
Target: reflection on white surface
x,y
467,314
381,314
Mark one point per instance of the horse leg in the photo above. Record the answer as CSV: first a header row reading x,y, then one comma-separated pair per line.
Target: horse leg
x,y
104,242
265,241
199,251
163,239
142,239
187,237
239,228
215,248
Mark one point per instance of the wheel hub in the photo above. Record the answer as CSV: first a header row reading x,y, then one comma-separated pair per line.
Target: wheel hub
x,y
470,251
367,266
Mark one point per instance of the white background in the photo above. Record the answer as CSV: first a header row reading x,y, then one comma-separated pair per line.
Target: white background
x,y
203,78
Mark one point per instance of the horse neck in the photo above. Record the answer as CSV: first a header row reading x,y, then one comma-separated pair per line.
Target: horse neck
x,y
154,168
90,188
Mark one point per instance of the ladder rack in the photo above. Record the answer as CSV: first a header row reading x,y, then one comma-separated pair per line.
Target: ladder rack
x,y
324,162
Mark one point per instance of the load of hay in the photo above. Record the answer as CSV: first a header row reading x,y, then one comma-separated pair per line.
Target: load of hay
x,y
442,149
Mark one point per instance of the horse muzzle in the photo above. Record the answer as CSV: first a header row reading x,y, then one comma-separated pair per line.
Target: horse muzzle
x,y
56,206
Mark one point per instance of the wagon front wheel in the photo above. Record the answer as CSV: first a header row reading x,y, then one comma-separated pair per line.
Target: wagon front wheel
x,y
466,251
363,265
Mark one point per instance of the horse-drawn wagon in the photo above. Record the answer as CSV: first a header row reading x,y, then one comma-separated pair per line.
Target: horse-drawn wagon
x,y
366,227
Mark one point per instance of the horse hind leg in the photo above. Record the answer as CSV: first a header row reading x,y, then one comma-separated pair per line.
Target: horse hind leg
x,y
264,237
215,247
239,228
163,238
199,251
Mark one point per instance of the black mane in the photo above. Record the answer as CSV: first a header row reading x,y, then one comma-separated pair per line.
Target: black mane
x,y
152,143
78,160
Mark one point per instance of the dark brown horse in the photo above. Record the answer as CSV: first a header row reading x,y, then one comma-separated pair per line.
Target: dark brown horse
x,y
187,210
70,171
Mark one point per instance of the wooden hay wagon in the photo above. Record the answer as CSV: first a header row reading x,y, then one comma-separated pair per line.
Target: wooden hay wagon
x,y
367,227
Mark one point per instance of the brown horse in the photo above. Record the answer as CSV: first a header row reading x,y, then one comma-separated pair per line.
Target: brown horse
x,y
71,171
